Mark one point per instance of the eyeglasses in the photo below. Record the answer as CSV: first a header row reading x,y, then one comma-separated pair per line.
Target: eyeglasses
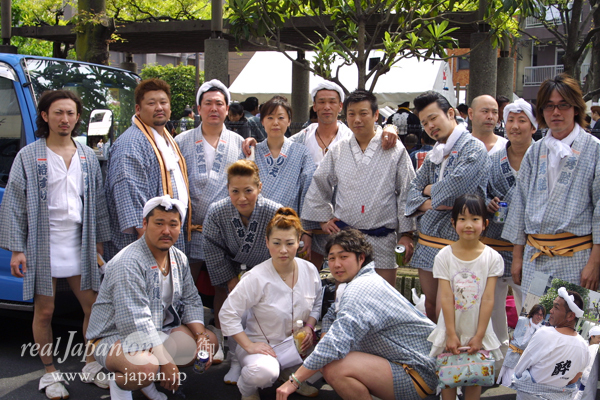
x,y
561,107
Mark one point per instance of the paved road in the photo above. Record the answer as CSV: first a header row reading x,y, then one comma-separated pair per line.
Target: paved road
x,y
19,374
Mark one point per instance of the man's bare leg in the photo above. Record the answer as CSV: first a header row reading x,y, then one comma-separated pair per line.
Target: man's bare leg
x,y
360,375
220,297
132,372
86,299
429,286
388,274
42,326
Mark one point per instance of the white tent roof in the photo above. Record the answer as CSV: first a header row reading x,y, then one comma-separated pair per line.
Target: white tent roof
x,y
270,73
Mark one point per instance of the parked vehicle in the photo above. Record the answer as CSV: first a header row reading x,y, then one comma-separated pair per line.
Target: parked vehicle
x,y
22,81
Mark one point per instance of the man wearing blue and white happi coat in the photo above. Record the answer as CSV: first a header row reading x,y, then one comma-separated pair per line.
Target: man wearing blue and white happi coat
x,y
144,162
554,218
556,355
208,150
458,164
54,219
148,319
369,347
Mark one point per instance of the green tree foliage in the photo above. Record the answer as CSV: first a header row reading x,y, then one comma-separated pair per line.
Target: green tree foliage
x,y
182,79
154,10
401,27
548,299
572,26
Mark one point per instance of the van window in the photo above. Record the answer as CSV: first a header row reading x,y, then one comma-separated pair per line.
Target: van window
x,y
97,86
12,136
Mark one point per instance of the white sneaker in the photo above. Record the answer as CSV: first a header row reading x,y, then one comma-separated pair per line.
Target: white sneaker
x,y
219,356
152,392
116,393
52,384
89,374
235,370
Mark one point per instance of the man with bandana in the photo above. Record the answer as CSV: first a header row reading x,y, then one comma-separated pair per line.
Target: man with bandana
x,y
556,355
148,317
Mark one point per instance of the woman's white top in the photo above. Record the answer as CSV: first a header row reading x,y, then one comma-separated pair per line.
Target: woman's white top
x,y
268,300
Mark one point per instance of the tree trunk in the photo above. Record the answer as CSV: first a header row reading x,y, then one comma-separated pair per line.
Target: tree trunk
x,y
92,39
572,52
595,62
362,58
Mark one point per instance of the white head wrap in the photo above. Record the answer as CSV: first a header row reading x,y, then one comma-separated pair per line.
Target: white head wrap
x,y
562,292
327,85
167,202
518,106
595,331
214,83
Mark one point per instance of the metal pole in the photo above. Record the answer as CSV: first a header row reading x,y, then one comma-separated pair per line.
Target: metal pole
x,y
6,21
216,23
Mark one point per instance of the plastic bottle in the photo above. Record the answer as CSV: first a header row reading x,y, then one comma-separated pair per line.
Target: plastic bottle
x,y
201,360
299,335
243,271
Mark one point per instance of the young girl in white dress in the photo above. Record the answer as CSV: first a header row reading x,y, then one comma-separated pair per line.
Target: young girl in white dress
x,y
467,272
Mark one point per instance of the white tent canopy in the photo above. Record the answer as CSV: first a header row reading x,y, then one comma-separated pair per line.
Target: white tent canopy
x,y
270,73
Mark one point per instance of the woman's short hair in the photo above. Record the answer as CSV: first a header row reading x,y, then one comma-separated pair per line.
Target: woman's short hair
x,y
236,108
569,90
536,309
271,106
353,241
243,168
46,100
285,218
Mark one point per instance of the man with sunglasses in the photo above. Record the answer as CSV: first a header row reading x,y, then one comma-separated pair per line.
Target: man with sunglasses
x,y
554,219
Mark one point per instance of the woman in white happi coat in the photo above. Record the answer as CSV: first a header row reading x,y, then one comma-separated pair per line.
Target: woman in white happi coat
x,y
523,333
588,385
286,168
273,296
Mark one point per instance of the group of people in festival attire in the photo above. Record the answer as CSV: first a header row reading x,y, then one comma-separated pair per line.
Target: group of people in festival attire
x,y
209,200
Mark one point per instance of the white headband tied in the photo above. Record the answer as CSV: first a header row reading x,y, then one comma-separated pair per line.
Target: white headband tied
x,y
210,84
595,331
562,292
518,106
327,85
167,202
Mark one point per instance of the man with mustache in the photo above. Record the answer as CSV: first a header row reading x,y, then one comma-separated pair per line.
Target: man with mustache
x,y
54,219
144,162
483,114
149,319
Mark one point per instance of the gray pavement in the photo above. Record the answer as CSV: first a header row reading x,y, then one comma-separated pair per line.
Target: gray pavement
x,y
19,374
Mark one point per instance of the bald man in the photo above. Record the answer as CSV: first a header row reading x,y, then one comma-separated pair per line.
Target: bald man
x,y
483,114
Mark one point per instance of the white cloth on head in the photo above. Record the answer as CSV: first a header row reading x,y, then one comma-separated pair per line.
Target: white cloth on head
x,y
518,106
570,299
594,331
167,202
441,150
559,149
210,84
327,85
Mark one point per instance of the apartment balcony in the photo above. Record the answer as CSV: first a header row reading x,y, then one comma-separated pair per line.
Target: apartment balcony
x,y
534,76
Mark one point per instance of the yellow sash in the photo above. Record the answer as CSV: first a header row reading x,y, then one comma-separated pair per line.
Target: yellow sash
x,y
165,175
562,244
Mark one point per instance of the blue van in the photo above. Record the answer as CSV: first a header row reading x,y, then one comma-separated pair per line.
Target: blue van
x,y
22,81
